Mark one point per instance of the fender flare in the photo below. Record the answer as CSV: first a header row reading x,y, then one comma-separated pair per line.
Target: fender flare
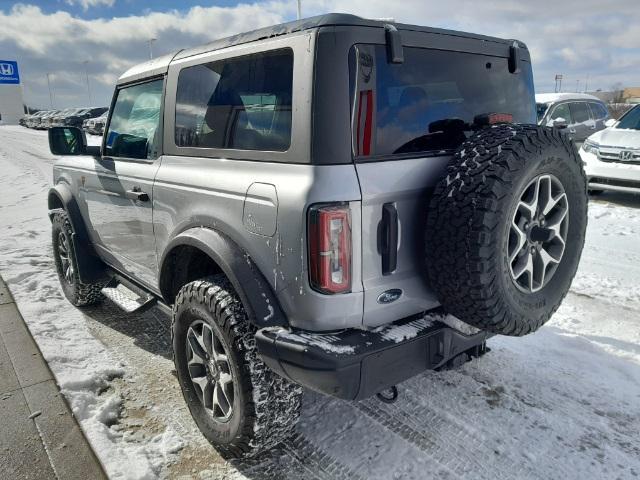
x,y
90,268
261,304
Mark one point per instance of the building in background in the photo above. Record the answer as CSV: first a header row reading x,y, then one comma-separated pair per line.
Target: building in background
x,y
11,103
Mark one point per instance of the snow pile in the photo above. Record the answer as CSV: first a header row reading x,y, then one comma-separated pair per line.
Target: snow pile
x,y
83,367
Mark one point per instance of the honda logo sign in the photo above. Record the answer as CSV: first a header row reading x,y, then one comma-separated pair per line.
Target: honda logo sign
x,y
9,72
6,69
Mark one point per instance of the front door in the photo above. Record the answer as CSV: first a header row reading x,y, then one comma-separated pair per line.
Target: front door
x,y
119,198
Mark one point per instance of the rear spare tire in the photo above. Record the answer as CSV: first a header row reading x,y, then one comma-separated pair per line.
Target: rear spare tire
x,y
505,228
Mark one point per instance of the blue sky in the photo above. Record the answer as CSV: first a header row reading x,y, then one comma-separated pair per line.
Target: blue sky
x,y
585,40
119,8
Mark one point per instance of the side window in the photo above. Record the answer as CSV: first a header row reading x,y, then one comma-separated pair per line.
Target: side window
x,y
580,112
599,111
561,111
133,130
240,103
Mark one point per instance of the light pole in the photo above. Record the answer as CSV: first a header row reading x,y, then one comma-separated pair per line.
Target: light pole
x,y
299,9
50,94
151,40
86,72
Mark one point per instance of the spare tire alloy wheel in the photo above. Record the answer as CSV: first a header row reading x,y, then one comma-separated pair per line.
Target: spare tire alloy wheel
x,y
505,228
538,233
210,371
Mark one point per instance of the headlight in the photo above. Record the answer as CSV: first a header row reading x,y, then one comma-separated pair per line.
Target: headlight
x,y
591,147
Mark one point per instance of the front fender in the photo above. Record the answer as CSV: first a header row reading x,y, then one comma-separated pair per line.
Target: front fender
x,y
262,306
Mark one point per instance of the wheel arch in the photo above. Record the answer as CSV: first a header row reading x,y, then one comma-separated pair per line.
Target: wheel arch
x,y
202,251
90,267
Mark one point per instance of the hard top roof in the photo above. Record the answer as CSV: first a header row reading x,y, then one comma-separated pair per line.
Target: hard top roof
x,y
159,65
556,97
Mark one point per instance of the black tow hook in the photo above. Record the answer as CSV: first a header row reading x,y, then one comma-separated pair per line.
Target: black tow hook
x,y
390,395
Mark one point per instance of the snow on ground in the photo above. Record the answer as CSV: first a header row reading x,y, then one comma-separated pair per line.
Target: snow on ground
x,y
561,403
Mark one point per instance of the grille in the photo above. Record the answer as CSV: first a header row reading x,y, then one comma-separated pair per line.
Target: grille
x,y
610,154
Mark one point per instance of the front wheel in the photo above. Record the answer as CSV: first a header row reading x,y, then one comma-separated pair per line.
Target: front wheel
x,y
240,405
78,293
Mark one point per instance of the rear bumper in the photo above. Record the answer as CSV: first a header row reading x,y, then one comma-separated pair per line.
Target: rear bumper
x,y
355,364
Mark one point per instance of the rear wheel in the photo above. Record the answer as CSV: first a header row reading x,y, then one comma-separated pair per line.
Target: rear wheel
x,y
506,228
238,403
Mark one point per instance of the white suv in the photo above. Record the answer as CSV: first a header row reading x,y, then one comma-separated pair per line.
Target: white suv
x,y
612,156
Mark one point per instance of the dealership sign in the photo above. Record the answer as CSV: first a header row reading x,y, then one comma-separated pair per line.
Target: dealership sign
x,y
9,72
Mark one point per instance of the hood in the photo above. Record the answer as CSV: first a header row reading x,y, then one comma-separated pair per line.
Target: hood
x,y
615,137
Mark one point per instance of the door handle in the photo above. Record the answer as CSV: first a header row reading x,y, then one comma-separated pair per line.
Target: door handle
x,y
137,194
389,238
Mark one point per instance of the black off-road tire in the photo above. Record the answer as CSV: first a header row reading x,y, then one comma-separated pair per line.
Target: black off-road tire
x,y
78,293
266,406
469,221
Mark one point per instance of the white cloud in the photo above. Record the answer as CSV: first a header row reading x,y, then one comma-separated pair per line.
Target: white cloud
x,y
575,38
86,4
59,43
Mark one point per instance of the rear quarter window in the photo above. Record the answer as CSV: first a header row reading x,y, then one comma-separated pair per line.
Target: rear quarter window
x,y
598,110
238,103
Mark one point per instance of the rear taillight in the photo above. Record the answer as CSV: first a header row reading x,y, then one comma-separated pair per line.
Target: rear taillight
x,y
330,248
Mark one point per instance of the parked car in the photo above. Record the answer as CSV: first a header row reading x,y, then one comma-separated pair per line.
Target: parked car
x,y
276,208
612,156
76,119
59,119
95,125
33,121
580,114
24,120
47,119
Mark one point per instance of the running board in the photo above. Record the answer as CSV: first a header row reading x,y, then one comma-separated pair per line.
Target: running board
x,y
127,296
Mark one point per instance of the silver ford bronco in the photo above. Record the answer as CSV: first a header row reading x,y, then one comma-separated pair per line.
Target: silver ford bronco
x,y
334,203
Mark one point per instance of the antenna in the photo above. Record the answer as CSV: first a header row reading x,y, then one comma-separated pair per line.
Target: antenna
x,y
151,40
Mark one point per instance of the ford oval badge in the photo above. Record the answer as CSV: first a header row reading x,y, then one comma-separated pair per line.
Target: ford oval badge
x,y
390,296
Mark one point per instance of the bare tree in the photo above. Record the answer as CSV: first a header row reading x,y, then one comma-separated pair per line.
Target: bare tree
x,y
616,105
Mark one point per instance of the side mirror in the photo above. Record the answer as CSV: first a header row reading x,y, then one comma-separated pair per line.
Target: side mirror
x,y
560,123
70,141
610,123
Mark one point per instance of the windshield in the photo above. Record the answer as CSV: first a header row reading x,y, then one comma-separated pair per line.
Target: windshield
x,y
541,109
631,119
433,100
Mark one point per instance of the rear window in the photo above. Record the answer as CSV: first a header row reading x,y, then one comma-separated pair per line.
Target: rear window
x,y
239,103
429,102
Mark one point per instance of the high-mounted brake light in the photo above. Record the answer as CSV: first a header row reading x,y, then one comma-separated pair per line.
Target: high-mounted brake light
x,y
330,248
493,118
